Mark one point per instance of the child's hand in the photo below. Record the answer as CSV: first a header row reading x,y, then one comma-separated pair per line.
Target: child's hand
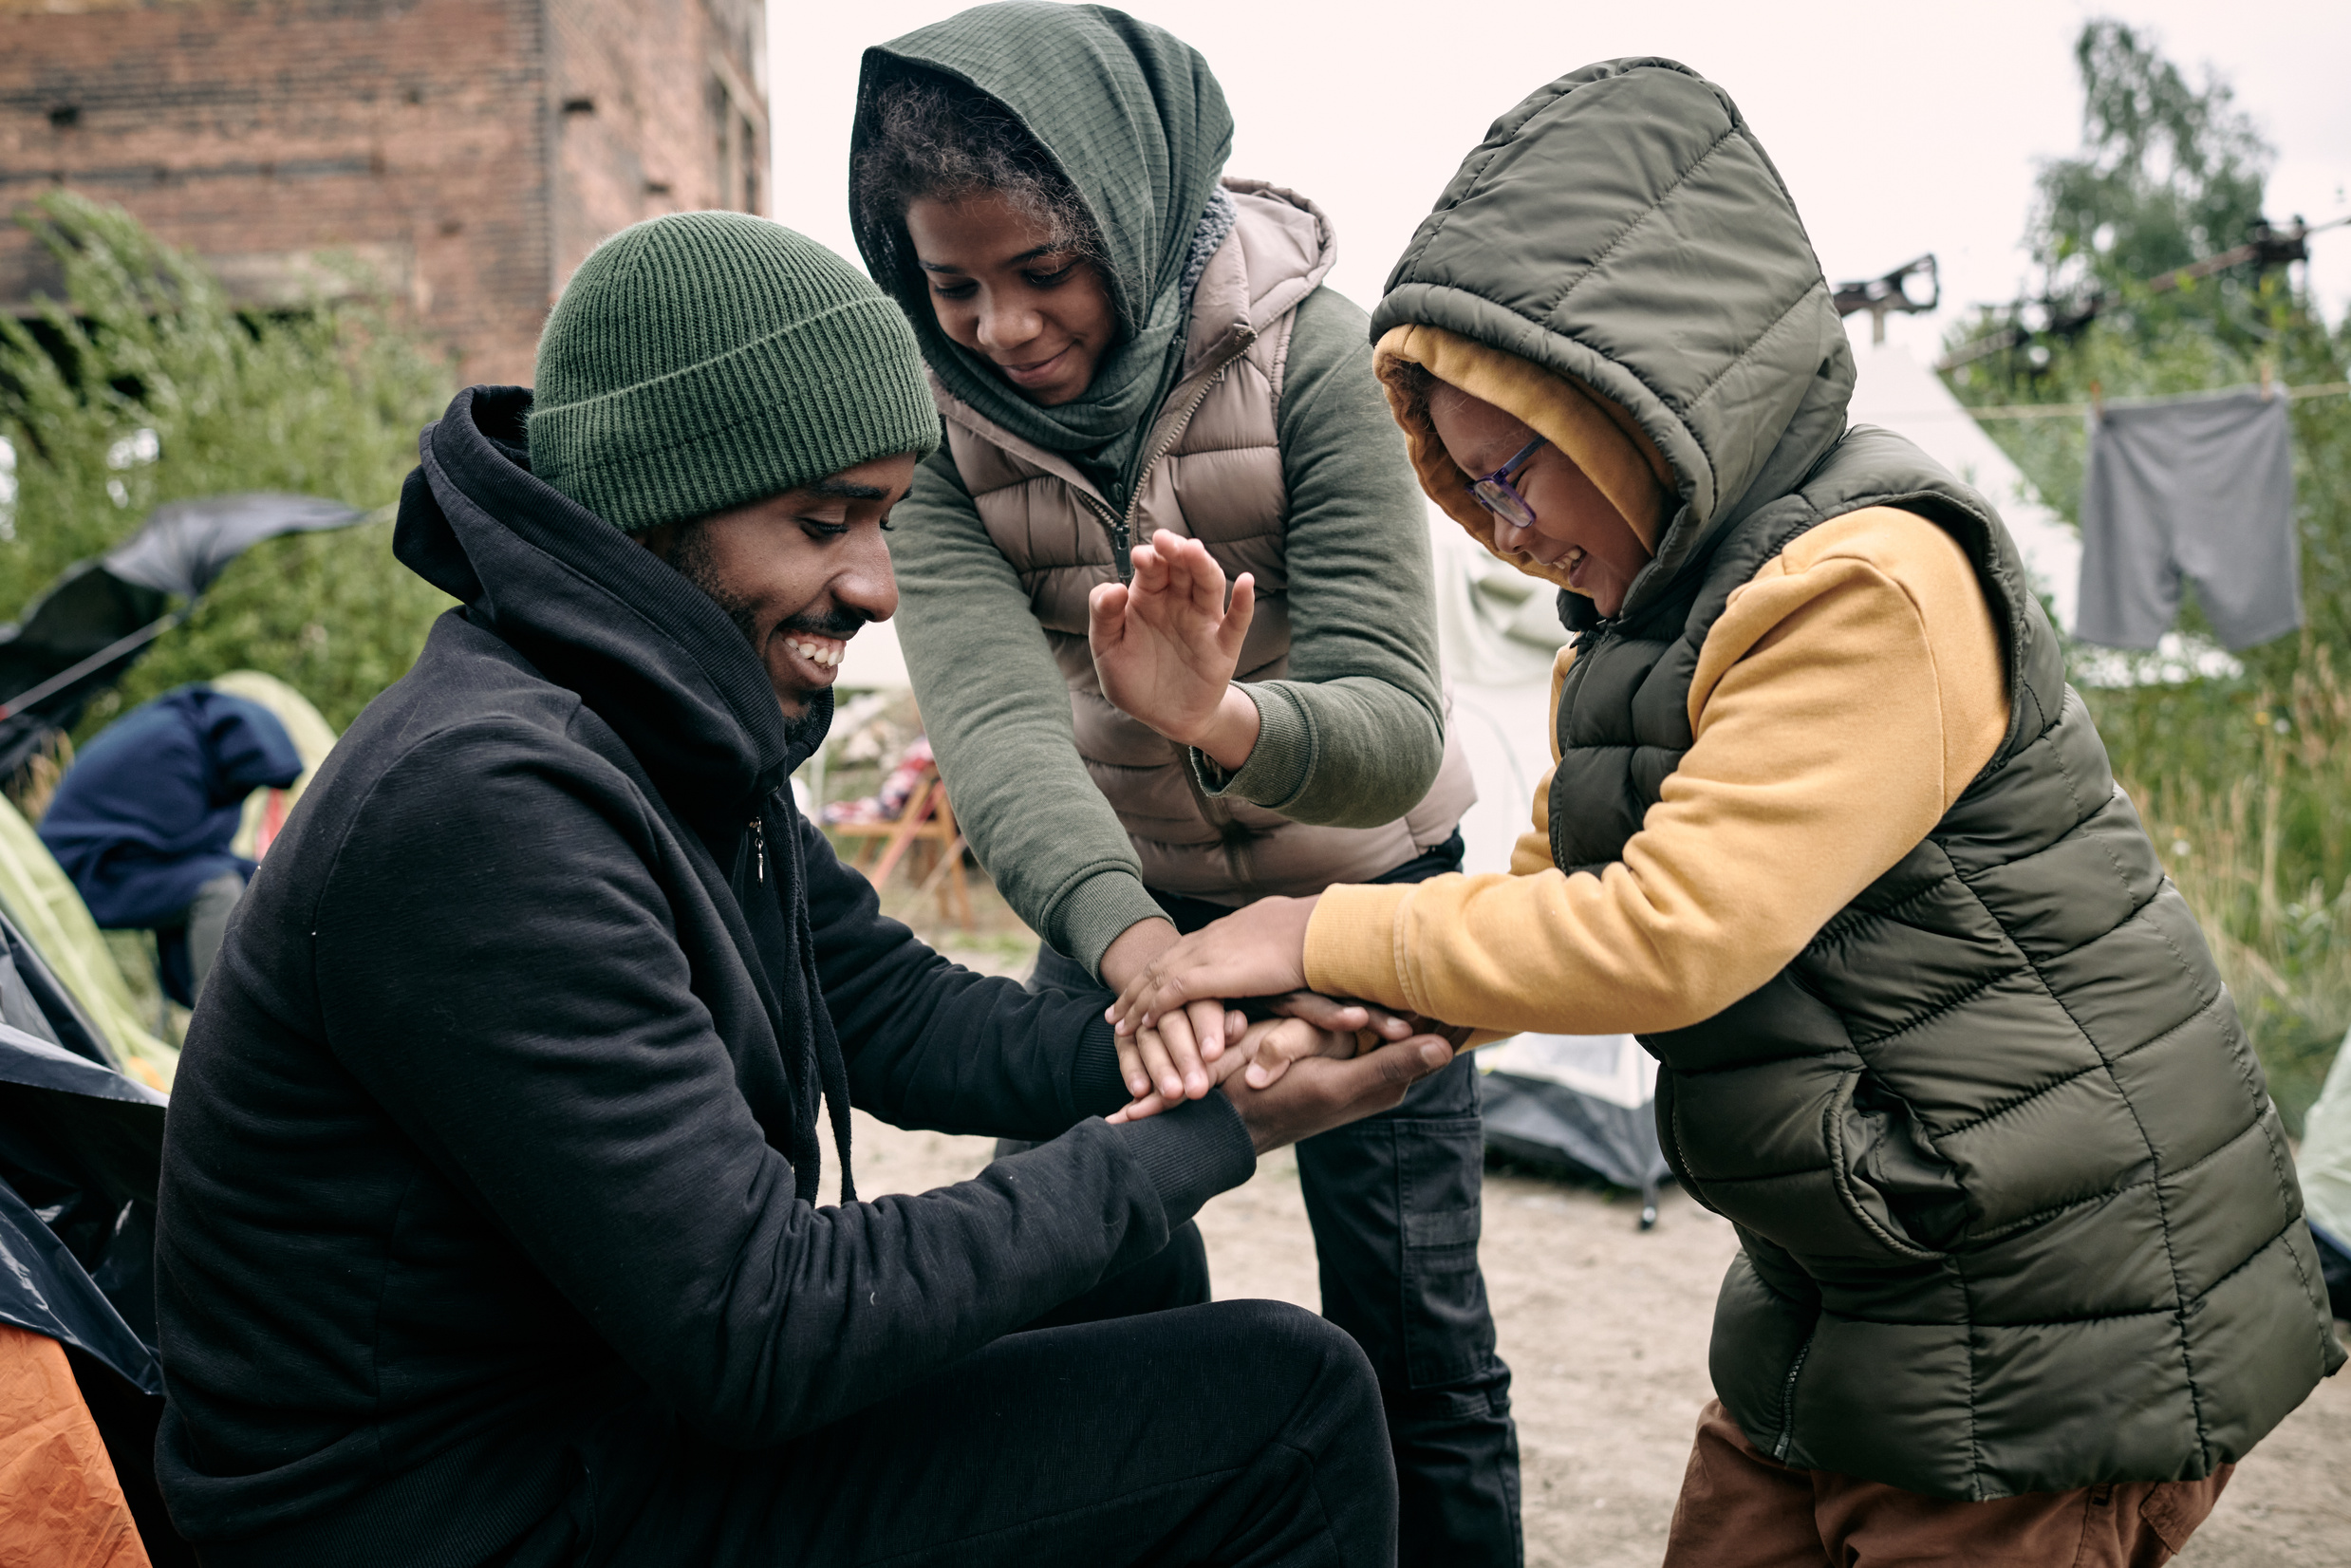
x,y
1165,648
1262,1053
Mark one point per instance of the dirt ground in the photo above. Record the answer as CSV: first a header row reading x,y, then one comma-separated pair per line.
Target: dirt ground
x,y
1605,1328
1605,1331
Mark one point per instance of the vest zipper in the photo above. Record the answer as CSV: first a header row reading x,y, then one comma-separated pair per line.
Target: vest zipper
x,y
1788,1400
1121,525
758,847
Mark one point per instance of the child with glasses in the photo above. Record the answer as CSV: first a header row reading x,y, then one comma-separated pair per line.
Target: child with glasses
x,y
2022,1269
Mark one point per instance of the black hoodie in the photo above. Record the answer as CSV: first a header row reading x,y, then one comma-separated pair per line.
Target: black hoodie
x,y
484,1129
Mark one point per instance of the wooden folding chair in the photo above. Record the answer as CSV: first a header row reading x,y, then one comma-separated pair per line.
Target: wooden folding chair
x,y
927,820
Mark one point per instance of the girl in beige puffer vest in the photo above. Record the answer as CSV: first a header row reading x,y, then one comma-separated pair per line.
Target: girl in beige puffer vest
x,y
1128,352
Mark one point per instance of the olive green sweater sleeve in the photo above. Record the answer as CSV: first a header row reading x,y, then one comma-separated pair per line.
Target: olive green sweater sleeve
x,y
1355,737
998,713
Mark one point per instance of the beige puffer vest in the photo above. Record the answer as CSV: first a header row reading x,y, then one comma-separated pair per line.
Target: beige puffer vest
x,y
1213,474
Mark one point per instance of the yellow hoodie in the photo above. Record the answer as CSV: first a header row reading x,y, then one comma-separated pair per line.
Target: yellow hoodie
x,y
1846,696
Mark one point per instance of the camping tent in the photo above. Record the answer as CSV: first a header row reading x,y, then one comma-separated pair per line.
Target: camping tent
x,y
1895,390
313,737
1586,1102
38,899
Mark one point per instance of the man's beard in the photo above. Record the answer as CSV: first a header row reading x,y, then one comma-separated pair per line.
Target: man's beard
x,y
692,558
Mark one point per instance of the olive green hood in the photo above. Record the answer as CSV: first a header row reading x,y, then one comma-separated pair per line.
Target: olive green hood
x,y
1623,227
1134,120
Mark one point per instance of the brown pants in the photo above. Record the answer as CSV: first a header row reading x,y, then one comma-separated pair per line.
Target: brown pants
x,y
1740,1509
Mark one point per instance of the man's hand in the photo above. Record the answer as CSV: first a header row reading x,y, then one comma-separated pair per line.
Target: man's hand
x,y
1166,647
1173,1062
1256,951
1347,1017
1261,1054
1318,1094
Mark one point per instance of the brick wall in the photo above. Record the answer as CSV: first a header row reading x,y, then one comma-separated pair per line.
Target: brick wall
x,y
467,152
656,105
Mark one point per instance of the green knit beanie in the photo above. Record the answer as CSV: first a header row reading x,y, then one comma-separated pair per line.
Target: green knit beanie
x,y
704,361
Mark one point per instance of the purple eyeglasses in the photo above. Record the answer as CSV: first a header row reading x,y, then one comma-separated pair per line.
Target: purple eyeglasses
x,y
1499,496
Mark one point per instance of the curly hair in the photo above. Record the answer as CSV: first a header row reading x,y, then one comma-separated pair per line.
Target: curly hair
x,y
1411,389
928,135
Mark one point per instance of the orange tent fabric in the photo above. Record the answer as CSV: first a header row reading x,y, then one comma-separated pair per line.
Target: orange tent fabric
x,y
59,1504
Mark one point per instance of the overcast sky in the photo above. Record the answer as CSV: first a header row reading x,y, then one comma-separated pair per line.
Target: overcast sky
x,y
1900,129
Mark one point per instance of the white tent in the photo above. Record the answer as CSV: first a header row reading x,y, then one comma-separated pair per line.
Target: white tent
x,y
1895,391
874,662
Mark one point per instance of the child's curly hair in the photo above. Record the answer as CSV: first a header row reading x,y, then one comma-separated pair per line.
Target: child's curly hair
x,y
928,135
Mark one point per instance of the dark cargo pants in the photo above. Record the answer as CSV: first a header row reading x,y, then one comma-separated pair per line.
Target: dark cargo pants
x,y
1395,1203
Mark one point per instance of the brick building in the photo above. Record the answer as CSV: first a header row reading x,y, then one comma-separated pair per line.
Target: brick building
x,y
466,154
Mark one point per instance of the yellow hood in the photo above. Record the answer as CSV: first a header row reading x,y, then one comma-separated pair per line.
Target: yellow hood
x,y
1598,436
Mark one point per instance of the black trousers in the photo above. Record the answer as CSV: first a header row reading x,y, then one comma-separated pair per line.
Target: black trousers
x,y
1395,1202
1243,1433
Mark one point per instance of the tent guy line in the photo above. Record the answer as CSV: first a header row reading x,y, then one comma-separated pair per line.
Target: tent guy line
x,y
2081,410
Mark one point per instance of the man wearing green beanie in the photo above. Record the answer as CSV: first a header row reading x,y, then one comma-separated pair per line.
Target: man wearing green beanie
x,y
489,1228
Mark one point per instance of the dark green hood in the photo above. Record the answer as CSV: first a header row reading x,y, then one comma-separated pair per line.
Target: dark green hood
x,y
1136,122
1623,226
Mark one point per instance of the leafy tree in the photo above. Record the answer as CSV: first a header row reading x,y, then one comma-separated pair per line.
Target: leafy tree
x,y
2247,781
2168,172
145,384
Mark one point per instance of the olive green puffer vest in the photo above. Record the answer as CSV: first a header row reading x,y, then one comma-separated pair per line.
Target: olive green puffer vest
x,y
1214,473
2016,1212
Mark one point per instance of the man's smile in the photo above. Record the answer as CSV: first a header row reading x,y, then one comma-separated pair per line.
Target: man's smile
x,y
822,651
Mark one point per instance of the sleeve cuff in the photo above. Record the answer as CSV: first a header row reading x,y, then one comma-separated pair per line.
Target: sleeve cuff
x,y
1353,942
1279,765
1091,917
1191,1153
1094,1082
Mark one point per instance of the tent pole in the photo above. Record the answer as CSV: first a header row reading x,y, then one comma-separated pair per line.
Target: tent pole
x,y
100,659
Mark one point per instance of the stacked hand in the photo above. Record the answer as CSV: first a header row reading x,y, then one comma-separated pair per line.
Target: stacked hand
x,y
1318,1063
1182,1066
1166,647
1256,951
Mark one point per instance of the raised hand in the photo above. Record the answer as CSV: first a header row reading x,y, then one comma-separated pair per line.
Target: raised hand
x,y
1166,647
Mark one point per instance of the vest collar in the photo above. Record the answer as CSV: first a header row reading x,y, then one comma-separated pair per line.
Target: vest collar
x,y
1281,249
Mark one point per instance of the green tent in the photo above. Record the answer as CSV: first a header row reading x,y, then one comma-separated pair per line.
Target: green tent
x,y
37,895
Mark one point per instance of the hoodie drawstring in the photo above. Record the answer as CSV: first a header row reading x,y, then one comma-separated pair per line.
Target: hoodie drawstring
x,y
801,998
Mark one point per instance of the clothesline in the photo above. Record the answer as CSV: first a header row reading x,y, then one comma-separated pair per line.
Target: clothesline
x,y
2079,410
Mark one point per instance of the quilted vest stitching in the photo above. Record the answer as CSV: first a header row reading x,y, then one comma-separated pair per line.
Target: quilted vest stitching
x,y
1220,482
1861,1303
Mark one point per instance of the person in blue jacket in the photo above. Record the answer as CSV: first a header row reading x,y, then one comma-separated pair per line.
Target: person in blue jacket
x,y
143,819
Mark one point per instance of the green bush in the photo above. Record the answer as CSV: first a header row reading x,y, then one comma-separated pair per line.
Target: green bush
x,y
145,384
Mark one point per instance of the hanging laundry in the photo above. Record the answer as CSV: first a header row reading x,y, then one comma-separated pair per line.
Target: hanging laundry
x,y
2199,488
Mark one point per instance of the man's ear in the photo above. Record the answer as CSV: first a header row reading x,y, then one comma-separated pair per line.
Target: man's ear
x,y
661,539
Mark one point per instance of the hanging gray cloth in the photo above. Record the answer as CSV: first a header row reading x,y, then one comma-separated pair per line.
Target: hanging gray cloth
x,y
2197,487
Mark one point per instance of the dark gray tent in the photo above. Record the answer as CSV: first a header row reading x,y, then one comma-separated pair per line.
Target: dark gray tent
x,y
79,636
1586,1103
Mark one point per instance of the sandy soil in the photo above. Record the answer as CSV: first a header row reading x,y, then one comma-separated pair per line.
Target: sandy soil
x,y
1605,1331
